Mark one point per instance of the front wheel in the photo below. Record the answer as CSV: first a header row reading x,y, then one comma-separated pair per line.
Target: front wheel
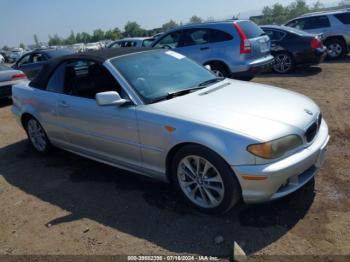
x,y
205,180
37,136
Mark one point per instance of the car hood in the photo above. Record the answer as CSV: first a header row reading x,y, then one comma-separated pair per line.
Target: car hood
x,y
259,111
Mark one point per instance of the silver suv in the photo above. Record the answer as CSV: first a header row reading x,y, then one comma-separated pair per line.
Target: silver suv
x,y
333,25
235,48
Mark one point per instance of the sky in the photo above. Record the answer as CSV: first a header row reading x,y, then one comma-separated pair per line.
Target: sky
x,y
21,19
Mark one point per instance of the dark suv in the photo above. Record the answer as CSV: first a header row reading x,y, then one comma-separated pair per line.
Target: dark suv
x,y
333,25
235,48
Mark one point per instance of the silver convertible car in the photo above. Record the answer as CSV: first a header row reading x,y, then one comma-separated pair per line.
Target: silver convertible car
x,y
160,114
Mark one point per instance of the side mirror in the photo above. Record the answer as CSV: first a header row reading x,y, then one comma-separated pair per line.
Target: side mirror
x,y
110,98
208,67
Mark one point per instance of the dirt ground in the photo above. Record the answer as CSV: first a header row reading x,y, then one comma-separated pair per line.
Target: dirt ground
x,y
62,204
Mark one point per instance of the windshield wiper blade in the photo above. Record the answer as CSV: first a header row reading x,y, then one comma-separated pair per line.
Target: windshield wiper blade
x,y
211,81
188,90
177,93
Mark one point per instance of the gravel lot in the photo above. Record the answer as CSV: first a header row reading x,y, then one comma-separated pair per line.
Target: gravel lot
x,y
65,204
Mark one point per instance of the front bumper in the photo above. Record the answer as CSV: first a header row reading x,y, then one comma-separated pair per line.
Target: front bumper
x,y
285,176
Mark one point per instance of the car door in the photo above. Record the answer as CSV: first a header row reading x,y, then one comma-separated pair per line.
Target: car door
x,y
197,44
276,36
48,99
108,133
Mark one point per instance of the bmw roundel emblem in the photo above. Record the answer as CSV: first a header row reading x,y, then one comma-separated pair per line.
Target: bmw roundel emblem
x,y
309,112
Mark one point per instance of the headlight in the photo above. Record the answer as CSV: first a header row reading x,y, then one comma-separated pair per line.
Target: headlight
x,y
276,148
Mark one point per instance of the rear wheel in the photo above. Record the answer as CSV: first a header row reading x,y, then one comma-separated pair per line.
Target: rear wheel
x,y
335,48
37,136
219,70
284,63
204,180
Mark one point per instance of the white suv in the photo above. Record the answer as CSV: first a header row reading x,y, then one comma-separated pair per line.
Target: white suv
x,y
333,25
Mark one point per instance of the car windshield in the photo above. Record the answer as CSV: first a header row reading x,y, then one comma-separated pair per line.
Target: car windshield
x,y
156,74
147,42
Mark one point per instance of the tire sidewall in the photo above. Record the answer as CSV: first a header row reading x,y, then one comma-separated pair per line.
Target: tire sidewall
x,y
336,41
232,194
292,60
220,68
48,143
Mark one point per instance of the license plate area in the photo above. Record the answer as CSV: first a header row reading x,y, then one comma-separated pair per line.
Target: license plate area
x,y
264,46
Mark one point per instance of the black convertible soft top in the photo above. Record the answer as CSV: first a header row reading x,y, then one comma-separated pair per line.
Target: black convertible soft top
x,y
100,56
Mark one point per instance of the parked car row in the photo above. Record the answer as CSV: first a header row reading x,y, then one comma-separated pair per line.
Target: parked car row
x,y
237,49
132,42
334,27
303,41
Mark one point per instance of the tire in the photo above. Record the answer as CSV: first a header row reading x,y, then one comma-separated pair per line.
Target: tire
x,y
336,49
219,70
37,136
215,191
284,63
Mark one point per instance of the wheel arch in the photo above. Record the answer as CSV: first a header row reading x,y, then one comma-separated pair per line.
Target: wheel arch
x,y
284,51
218,62
25,117
337,37
172,152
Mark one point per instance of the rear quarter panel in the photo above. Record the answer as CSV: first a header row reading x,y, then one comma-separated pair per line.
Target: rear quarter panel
x,y
38,103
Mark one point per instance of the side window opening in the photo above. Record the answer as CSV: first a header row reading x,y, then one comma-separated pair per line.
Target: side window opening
x,y
198,37
116,45
220,36
25,60
38,58
316,22
275,35
171,40
298,24
87,78
56,82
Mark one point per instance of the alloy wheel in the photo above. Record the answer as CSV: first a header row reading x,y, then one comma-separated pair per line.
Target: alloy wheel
x,y
334,50
36,135
200,181
283,63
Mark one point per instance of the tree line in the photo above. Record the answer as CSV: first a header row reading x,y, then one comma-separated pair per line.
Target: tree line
x,y
131,29
279,14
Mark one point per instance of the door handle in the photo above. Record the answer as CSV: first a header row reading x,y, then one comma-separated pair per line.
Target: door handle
x,y
63,104
204,48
